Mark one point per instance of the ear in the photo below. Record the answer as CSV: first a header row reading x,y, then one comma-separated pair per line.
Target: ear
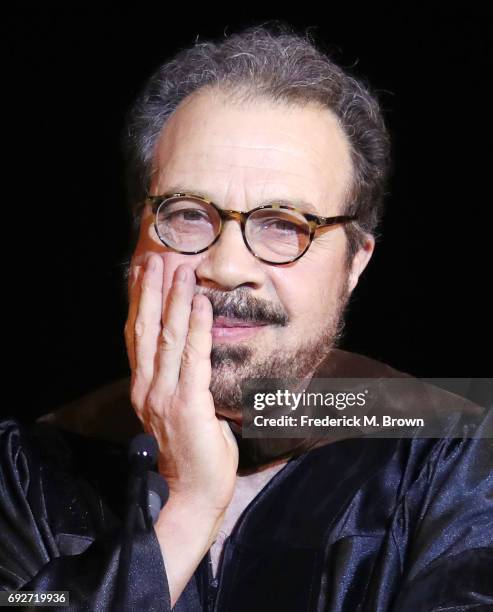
x,y
360,260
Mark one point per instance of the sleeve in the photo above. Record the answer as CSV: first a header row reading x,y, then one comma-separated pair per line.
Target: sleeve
x,y
455,583
30,558
449,566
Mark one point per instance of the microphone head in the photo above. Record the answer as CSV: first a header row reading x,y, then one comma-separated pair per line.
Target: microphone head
x,y
144,446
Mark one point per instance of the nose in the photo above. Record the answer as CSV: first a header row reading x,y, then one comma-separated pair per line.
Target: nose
x,y
228,263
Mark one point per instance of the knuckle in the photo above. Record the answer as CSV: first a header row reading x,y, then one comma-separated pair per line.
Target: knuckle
x,y
152,402
155,402
176,298
169,339
191,354
140,328
188,359
136,400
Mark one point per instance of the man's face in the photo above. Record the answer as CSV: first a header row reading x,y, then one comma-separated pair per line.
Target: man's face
x,y
240,156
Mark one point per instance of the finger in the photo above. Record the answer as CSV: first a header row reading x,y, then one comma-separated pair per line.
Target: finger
x,y
147,327
133,291
176,315
195,371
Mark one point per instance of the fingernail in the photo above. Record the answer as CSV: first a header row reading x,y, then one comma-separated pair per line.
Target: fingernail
x,y
182,274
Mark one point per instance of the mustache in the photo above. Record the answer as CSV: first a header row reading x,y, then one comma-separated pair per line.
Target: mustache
x,y
240,304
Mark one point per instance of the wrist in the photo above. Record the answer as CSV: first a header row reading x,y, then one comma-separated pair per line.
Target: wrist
x,y
192,522
185,533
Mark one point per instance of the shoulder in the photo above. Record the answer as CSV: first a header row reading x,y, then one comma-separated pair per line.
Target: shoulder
x,y
104,414
55,467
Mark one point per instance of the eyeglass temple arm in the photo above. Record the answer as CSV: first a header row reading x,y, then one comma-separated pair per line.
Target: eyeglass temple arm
x,y
327,221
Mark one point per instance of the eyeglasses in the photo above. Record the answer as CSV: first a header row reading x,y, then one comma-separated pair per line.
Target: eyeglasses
x,y
274,233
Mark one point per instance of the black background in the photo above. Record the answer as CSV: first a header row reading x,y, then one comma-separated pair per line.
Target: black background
x,y
422,305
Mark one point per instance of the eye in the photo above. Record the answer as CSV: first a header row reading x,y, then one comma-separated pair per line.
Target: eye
x,y
281,225
191,214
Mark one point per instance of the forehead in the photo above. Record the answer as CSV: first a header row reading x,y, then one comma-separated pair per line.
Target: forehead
x,y
243,154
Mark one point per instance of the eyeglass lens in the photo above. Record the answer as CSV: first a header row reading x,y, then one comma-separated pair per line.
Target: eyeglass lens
x,y
276,235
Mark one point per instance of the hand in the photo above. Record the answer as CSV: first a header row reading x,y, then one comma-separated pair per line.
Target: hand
x,y
169,340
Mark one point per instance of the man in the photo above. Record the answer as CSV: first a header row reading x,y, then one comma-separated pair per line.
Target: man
x,y
266,125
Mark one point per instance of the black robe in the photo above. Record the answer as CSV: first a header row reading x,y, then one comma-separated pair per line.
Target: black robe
x,y
363,524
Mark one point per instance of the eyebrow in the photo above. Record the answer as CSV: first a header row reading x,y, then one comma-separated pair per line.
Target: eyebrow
x,y
300,204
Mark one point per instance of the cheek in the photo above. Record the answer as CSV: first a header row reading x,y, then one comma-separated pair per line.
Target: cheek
x,y
299,292
149,243
309,291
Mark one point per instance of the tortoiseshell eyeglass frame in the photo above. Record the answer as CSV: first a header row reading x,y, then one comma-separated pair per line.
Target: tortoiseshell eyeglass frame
x,y
314,222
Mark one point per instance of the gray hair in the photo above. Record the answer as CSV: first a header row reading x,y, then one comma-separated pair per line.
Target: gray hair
x,y
274,63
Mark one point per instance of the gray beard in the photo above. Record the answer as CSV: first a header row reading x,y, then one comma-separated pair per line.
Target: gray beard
x,y
232,365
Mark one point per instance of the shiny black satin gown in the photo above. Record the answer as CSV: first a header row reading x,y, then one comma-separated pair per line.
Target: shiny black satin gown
x,y
364,524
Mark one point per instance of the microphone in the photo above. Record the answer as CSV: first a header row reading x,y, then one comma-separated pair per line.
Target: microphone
x,y
143,452
157,494
147,493
151,489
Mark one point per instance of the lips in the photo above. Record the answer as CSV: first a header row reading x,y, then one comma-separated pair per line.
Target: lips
x,y
230,322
